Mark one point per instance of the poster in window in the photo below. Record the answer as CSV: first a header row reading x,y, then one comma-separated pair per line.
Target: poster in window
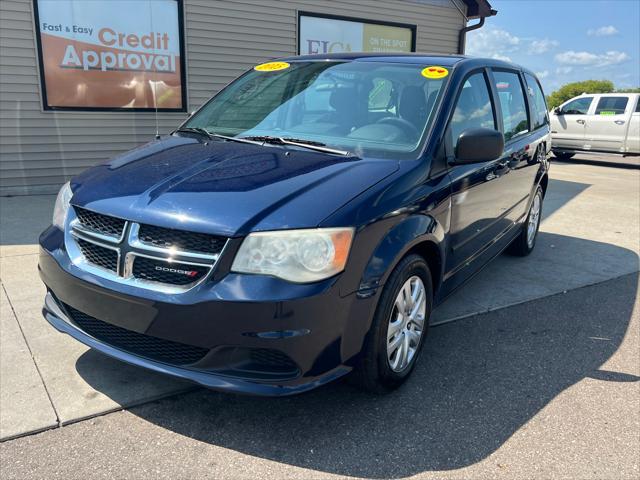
x,y
320,34
105,54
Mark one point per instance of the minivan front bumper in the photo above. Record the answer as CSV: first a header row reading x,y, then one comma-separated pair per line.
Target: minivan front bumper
x,y
61,322
316,328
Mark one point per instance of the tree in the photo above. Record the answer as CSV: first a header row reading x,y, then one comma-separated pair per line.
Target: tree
x,y
574,89
628,90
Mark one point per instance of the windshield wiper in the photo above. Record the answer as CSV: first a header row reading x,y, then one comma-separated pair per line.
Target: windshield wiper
x,y
200,130
261,140
211,135
237,139
298,142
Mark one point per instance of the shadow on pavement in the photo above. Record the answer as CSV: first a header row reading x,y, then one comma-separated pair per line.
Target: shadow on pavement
x,y
479,381
559,193
613,161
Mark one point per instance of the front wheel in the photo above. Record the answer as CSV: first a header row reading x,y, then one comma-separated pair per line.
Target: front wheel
x,y
525,242
399,327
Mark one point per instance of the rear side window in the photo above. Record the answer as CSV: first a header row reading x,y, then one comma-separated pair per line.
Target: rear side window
x,y
514,108
579,106
612,105
536,98
473,109
638,106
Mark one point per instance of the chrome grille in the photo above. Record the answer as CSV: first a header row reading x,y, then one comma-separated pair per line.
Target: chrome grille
x,y
180,240
171,261
98,223
99,255
159,271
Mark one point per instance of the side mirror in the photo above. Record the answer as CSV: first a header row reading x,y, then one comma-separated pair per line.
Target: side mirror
x,y
557,111
479,145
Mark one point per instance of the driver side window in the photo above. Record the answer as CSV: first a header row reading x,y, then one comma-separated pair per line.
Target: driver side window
x,y
579,106
473,108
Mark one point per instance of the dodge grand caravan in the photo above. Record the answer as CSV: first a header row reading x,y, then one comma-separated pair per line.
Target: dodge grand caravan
x,y
303,223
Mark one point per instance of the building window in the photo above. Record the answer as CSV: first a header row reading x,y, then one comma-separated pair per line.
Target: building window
x,y
320,34
97,57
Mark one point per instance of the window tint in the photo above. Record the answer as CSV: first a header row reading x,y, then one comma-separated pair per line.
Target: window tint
x,y
611,105
474,109
536,97
514,108
579,106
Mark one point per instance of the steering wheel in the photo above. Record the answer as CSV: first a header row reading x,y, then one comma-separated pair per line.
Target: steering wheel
x,y
402,124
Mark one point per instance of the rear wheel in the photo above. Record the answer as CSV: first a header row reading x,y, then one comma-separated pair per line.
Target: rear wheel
x,y
399,327
563,155
525,242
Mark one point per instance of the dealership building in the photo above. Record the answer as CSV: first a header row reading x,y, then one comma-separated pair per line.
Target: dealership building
x,y
82,81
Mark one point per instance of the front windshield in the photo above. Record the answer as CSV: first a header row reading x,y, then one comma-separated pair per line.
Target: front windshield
x,y
369,108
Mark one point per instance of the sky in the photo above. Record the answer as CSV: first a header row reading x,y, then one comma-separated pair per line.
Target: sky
x,y
565,40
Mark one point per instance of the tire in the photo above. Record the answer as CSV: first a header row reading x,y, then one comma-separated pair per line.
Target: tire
x,y
525,242
377,371
563,155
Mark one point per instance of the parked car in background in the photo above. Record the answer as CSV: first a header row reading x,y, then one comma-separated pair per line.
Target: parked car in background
x,y
605,123
304,222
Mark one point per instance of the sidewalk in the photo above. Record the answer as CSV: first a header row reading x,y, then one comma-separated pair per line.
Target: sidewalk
x,y
590,234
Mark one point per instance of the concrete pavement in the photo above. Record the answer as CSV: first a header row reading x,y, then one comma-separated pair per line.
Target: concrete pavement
x,y
20,382
590,234
545,389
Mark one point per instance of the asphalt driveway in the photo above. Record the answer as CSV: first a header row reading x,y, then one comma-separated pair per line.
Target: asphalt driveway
x,y
532,372
544,389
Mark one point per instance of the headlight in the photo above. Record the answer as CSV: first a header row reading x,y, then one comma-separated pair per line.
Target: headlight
x,y
62,206
299,256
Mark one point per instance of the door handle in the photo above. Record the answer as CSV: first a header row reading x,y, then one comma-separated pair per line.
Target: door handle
x,y
619,122
581,122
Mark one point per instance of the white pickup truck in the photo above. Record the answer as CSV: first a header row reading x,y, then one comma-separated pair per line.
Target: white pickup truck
x,y
602,122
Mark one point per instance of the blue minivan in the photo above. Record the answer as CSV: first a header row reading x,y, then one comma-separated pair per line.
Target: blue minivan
x,y
303,223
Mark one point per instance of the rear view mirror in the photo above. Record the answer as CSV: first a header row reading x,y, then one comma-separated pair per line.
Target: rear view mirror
x,y
479,145
557,111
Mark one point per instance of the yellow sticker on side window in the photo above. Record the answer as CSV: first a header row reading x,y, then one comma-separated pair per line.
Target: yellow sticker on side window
x,y
271,66
434,72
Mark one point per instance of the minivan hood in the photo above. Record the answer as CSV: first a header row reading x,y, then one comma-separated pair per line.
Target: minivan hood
x,y
225,188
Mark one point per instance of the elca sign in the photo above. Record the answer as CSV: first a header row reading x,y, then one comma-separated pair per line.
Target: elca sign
x,y
318,35
326,46
95,57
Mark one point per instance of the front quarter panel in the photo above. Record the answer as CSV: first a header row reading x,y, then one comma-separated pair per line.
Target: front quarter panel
x,y
401,212
399,240
395,218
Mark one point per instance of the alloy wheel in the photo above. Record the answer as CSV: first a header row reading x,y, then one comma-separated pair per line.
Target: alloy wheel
x,y
406,324
534,219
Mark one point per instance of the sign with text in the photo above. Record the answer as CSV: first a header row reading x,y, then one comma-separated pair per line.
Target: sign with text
x,y
101,54
319,34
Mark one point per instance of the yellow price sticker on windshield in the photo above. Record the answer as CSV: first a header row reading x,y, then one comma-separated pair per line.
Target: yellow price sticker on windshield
x,y
435,72
271,66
